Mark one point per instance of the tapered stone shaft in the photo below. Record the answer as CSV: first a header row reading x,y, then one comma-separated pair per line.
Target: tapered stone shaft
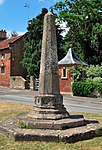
x,y
49,102
49,80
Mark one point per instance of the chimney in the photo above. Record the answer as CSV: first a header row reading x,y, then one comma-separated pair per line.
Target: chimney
x,y
2,35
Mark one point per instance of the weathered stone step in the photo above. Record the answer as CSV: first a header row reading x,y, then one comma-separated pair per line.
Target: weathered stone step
x,y
60,124
11,129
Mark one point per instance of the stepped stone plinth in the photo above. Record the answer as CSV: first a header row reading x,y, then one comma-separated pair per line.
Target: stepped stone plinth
x,y
49,120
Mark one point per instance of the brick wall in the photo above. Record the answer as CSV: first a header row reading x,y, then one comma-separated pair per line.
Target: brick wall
x,y
12,62
17,49
65,83
5,77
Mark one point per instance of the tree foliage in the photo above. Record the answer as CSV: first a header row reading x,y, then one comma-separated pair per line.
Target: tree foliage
x,y
32,44
94,71
84,20
14,33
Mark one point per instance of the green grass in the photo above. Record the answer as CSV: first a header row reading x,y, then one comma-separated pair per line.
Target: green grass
x,y
10,109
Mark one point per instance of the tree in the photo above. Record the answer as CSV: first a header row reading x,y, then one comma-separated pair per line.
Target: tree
x,y
14,33
94,71
32,44
84,20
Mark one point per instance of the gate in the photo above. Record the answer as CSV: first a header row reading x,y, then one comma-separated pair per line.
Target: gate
x,y
36,84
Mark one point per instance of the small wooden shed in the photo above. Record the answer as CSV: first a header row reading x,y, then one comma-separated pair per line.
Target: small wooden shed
x,y
65,74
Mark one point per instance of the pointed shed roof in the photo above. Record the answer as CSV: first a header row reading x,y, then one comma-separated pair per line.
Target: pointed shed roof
x,y
71,59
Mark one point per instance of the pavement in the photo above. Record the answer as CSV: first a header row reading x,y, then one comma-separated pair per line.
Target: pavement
x,y
18,91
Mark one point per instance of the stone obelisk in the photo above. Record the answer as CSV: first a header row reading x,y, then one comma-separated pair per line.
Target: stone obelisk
x,y
49,102
49,120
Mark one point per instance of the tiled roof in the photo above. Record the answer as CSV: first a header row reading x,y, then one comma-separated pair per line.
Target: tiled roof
x,y
71,59
5,44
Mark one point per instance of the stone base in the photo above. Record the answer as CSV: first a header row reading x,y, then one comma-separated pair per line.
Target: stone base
x,y
48,107
73,121
48,113
11,128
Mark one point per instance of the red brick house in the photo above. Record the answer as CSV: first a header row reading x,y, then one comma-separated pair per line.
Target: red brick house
x,y
65,74
11,53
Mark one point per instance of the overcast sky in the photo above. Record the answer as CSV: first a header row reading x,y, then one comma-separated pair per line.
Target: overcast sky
x,y
14,14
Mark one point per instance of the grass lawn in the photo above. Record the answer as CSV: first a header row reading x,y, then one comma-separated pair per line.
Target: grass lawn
x,y
8,109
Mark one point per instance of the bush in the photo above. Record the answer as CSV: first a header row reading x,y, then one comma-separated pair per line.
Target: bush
x,y
94,71
87,88
77,73
97,79
82,88
98,85
92,85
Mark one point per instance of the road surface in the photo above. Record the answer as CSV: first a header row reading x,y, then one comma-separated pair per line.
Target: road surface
x,y
72,103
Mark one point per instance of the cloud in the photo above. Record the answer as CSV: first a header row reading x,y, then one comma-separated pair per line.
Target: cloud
x,y
63,25
1,2
21,33
18,32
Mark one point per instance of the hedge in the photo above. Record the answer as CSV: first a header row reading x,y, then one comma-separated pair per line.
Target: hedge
x,y
87,88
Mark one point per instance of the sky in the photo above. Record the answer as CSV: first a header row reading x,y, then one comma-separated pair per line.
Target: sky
x,y
14,15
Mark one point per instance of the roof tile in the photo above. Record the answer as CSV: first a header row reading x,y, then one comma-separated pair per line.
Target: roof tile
x,y
71,59
5,44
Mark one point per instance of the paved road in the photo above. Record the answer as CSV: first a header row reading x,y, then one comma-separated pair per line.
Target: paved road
x,y
72,103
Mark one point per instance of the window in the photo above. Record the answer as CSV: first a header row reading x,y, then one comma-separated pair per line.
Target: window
x,y
2,69
64,72
2,56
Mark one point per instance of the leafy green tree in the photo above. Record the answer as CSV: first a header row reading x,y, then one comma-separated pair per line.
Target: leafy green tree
x,y
14,33
32,44
84,20
94,71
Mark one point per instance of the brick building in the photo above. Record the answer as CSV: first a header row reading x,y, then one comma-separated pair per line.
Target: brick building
x,y
65,74
11,53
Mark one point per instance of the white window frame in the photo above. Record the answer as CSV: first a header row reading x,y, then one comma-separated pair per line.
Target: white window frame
x,y
64,73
